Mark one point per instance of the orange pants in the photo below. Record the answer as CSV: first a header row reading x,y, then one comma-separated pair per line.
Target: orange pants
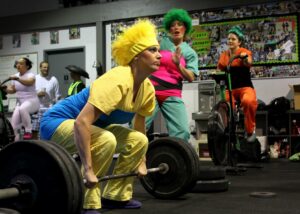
x,y
247,97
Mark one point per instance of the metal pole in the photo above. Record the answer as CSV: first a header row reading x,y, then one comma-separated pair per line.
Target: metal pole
x,y
109,177
161,168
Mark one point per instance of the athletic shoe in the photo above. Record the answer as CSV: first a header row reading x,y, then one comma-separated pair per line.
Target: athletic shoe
x,y
251,138
90,211
112,204
27,136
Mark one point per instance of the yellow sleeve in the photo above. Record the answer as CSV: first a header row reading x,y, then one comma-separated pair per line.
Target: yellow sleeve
x,y
149,100
106,93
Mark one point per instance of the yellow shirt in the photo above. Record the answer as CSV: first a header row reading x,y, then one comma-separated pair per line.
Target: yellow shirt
x,y
114,90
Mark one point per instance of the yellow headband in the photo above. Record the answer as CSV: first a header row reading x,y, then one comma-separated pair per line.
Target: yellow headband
x,y
133,41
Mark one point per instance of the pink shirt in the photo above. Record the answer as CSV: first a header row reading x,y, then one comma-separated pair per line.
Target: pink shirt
x,y
168,72
24,92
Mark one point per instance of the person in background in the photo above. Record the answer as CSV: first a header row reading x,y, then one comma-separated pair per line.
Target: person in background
x,y
242,87
89,123
76,73
23,85
179,62
47,87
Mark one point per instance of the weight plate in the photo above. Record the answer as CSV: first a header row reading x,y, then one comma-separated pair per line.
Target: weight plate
x,y
249,165
196,161
211,173
76,199
6,131
263,194
218,133
204,186
45,169
182,171
56,151
8,211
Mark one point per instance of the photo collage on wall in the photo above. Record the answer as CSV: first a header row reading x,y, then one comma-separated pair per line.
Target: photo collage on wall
x,y
270,29
271,39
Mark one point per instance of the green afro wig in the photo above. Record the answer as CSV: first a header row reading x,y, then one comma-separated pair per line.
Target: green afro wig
x,y
237,31
177,15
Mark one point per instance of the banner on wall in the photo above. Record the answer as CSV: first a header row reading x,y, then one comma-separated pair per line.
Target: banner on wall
x,y
272,40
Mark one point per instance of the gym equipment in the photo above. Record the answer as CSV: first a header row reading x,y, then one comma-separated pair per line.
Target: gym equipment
x,y
183,165
8,211
223,135
42,177
263,194
210,176
205,186
6,131
211,179
211,173
38,179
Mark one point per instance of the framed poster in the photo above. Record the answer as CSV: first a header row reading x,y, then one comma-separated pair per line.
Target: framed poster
x,y
54,37
35,38
74,33
16,40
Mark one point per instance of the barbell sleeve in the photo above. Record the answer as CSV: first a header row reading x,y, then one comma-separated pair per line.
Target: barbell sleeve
x,y
7,193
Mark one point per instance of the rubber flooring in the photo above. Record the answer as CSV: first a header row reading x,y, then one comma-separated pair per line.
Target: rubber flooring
x,y
279,176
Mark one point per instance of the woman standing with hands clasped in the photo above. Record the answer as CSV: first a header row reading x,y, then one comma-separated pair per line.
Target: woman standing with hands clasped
x,y
23,85
179,62
242,87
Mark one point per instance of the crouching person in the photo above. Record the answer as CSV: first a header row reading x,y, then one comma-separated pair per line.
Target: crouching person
x,y
89,122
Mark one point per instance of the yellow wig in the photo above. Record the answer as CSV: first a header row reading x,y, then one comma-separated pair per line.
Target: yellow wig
x,y
133,41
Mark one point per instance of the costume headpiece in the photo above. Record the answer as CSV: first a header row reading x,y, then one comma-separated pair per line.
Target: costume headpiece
x,y
237,31
177,15
133,41
77,70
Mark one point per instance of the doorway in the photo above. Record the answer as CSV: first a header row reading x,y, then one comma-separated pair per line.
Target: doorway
x,y
60,58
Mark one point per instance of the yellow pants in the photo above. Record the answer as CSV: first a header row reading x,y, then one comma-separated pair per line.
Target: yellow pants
x,y
130,144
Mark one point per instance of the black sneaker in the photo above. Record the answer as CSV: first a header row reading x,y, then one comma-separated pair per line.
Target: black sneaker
x,y
112,204
90,211
251,138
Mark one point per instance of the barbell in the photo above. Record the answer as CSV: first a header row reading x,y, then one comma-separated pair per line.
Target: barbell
x,y
42,177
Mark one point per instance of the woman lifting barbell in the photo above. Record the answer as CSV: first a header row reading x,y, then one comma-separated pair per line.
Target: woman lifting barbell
x,y
117,97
